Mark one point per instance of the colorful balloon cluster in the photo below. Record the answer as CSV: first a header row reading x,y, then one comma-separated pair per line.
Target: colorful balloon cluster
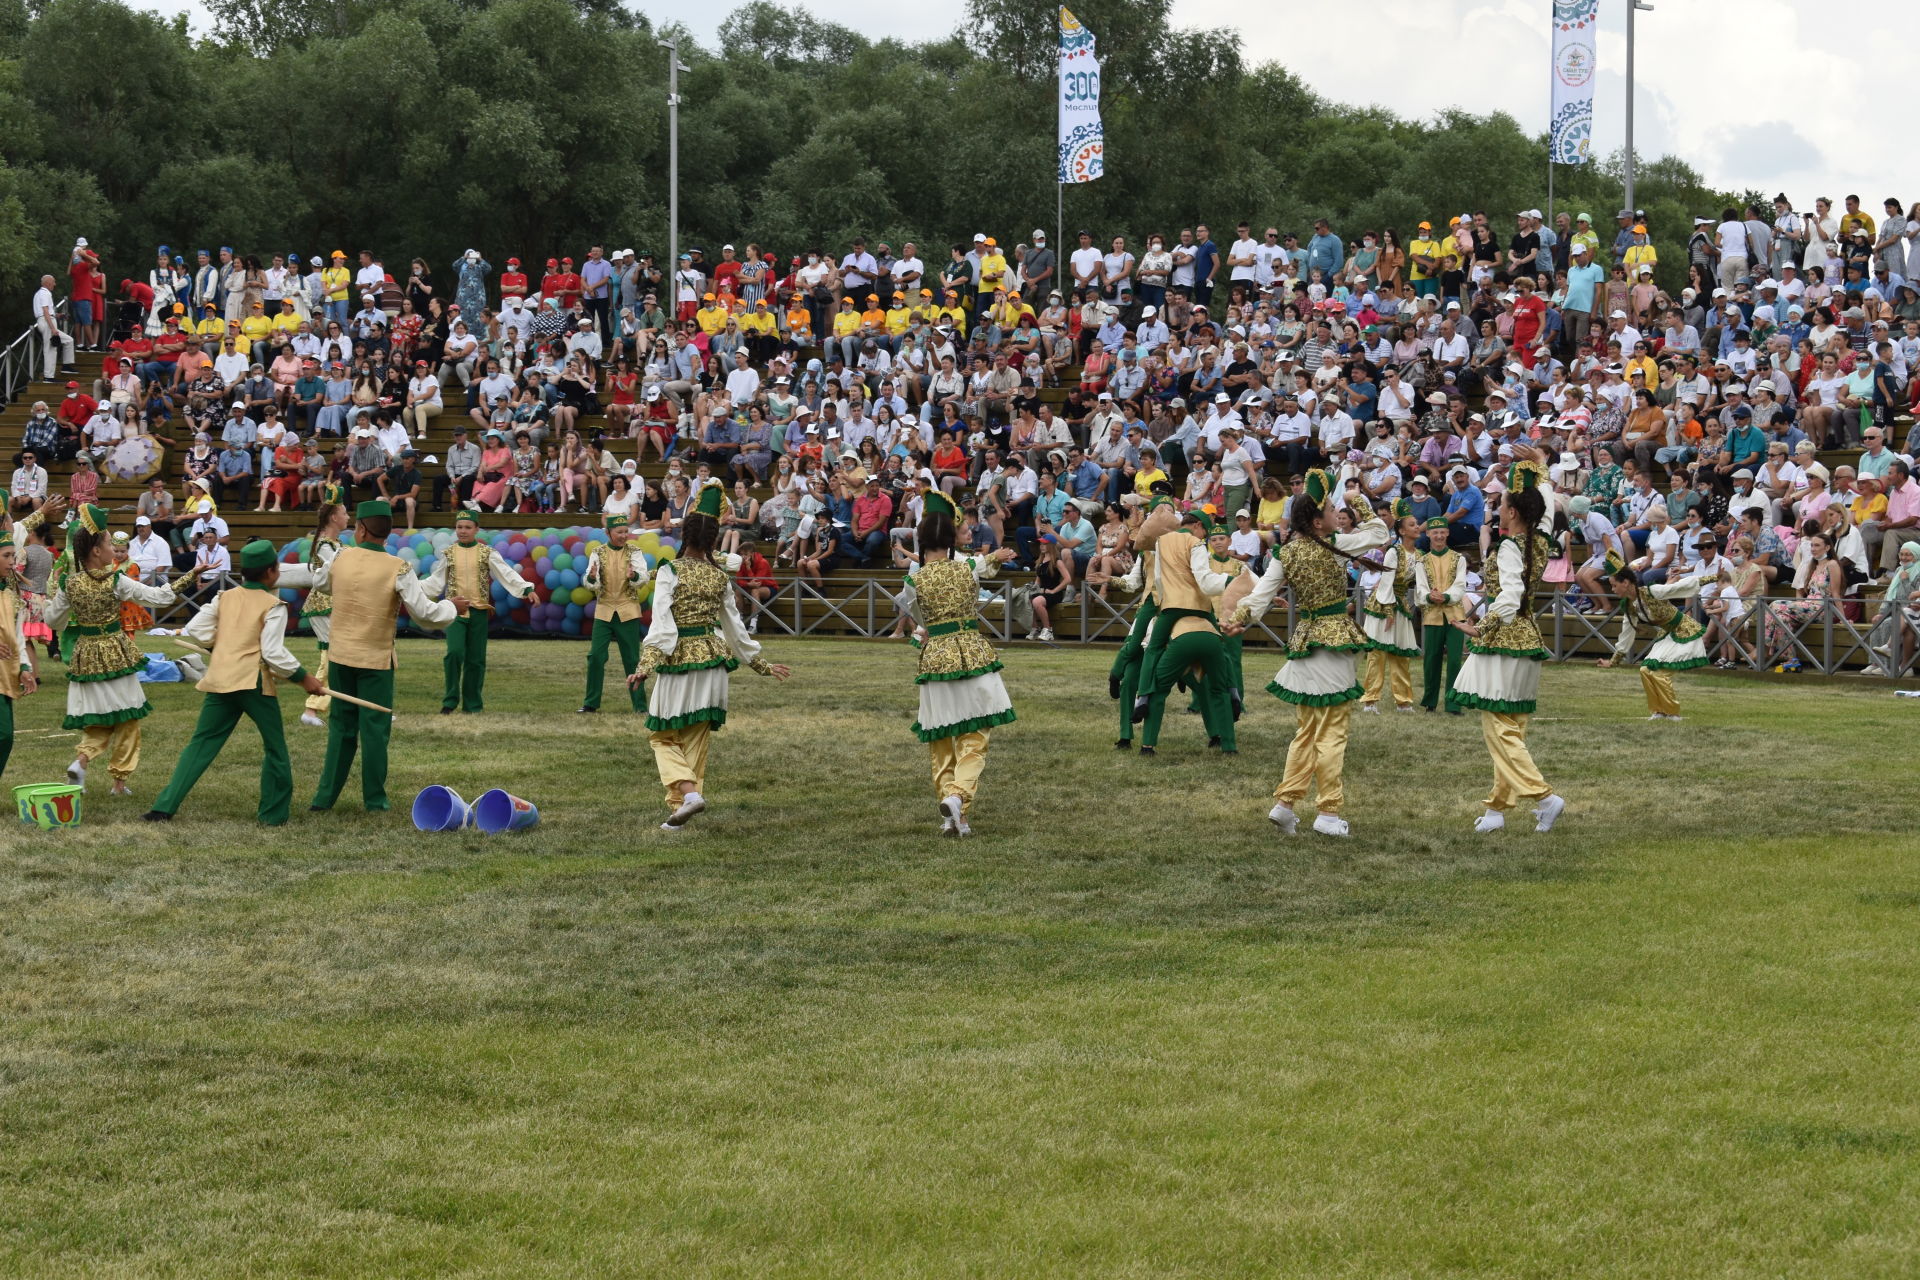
x,y
555,561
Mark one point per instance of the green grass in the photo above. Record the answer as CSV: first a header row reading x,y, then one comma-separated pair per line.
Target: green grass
x,y
1126,1031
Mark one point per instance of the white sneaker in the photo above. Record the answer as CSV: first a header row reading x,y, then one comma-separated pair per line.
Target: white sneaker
x,y
1656,716
77,774
1331,824
1547,812
1033,635
1673,717
1370,708
672,826
1046,635
963,830
1284,818
950,820
1491,820
690,804
308,717
1072,596
1406,709
753,625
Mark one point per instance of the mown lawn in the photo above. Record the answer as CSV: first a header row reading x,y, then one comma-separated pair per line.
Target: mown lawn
x,y
1126,1031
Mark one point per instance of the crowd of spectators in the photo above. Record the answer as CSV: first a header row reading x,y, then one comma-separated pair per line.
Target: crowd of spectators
x,y
829,388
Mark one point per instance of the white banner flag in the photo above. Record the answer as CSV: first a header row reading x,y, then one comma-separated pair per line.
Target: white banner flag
x,y
1575,23
1082,145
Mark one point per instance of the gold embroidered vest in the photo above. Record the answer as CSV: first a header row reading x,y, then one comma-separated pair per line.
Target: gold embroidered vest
x,y
102,650
699,596
365,608
1318,578
235,665
469,573
1441,571
947,595
1519,638
1679,625
10,605
616,601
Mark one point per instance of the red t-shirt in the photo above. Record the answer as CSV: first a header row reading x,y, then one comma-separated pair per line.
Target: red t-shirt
x,y
140,293
568,287
1527,310
77,408
169,345
513,284
726,277
81,275
136,347
550,284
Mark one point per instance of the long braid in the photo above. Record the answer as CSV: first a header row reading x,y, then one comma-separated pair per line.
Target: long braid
x,y
1301,517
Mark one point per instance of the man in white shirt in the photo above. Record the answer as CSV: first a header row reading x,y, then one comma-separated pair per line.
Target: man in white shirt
x,y
1451,350
1270,257
57,341
1731,236
1152,330
1336,431
392,437
371,274
908,270
858,269
743,383
1219,418
150,553
29,479
1243,256
1088,263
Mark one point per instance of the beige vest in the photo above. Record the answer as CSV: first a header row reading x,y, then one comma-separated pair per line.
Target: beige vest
x,y
616,603
469,575
10,636
235,665
365,608
1177,588
1440,574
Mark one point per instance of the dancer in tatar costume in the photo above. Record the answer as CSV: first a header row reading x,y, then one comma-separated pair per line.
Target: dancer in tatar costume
x,y
105,699
1318,678
1682,644
1124,679
962,698
614,574
468,569
367,587
695,640
1501,676
317,610
1387,617
1442,606
1186,633
1233,646
17,678
246,629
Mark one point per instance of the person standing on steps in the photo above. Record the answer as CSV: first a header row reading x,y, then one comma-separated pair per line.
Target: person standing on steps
x,y
245,627
17,677
696,639
614,575
367,587
468,569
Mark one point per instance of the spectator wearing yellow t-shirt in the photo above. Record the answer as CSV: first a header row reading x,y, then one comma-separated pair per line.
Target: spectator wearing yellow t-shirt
x,y
1641,251
712,317
338,282
899,320
846,332
1423,262
255,329
993,271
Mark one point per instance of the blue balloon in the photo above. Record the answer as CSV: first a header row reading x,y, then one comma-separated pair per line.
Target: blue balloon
x,y
551,580
575,612
570,627
569,579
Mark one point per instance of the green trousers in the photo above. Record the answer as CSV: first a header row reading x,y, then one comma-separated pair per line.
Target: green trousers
x,y
466,661
1440,643
347,725
219,715
6,732
1234,645
1206,650
1128,662
627,636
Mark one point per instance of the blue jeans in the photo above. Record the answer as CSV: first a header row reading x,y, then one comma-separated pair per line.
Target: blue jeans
x,y
871,547
337,312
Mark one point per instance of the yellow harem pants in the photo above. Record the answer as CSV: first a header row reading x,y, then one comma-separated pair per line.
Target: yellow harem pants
x,y
1659,687
319,702
681,756
958,763
1380,666
1317,755
1514,776
119,742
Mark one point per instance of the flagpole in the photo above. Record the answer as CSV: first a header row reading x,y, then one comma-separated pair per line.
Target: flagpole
x,y
1059,230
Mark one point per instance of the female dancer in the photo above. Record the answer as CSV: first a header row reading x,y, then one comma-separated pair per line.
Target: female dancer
x,y
1387,617
696,638
961,695
104,697
1318,677
1682,645
1501,676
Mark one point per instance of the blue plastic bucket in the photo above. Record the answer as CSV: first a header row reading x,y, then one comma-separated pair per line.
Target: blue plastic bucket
x,y
496,811
439,808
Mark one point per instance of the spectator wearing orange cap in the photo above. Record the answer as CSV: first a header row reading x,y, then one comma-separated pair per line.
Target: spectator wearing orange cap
x,y
712,315
1423,262
338,282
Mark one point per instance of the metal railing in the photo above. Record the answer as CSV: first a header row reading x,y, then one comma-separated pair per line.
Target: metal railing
x,y
22,362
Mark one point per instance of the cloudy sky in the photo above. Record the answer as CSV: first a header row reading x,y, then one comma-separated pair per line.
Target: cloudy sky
x,y
1807,136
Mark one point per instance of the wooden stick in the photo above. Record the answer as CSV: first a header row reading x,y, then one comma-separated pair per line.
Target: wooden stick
x,y
325,692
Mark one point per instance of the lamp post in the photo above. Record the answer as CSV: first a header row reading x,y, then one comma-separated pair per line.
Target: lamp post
x,y
674,68
1633,6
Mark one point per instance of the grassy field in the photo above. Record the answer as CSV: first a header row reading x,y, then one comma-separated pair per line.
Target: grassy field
x,y
1126,1031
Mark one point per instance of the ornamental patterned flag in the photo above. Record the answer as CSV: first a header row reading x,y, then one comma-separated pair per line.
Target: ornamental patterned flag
x,y
1082,144
1570,135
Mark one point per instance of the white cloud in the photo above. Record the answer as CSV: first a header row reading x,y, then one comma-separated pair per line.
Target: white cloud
x,y
1698,91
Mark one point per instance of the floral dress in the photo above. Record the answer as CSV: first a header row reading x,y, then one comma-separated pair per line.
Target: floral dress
x,y
103,684
695,639
959,676
1785,617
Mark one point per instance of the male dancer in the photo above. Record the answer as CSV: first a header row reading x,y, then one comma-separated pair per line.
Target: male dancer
x,y
246,627
1441,642
468,568
614,574
368,587
1185,584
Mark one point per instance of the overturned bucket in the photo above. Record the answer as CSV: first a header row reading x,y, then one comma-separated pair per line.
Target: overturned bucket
x,y
439,808
496,811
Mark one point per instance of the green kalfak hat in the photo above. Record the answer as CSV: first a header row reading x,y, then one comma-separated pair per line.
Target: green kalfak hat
x,y
258,554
